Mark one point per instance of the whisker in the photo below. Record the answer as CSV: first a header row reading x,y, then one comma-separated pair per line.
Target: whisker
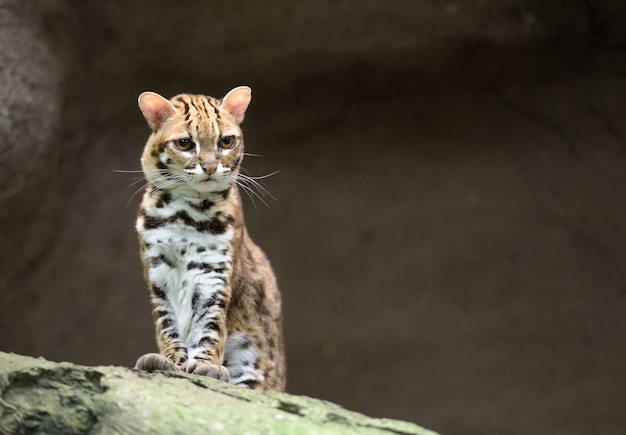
x,y
139,180
142,172
262,176
257,185
247,191
136,192
251,193
170,182
125,171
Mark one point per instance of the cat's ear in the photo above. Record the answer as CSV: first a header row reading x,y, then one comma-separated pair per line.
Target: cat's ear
x,y
155,109
236,102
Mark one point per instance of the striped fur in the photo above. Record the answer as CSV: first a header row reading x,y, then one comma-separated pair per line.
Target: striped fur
x,y
216,305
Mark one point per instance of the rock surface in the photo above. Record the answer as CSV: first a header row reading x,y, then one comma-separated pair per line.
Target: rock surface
x,y
43,397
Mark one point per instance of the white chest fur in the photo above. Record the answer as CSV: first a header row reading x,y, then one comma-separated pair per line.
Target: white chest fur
x,y
185,260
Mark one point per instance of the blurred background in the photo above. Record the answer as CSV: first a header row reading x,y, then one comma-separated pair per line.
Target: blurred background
x,y
450,229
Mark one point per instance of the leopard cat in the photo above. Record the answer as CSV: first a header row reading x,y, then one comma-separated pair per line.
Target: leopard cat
x,y
216,304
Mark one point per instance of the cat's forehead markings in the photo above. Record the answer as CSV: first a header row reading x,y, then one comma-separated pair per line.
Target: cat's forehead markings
x,y
216,129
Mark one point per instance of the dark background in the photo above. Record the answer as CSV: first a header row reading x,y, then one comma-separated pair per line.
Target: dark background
x,y
450,230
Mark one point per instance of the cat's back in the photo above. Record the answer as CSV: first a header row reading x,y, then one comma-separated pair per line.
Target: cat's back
x,y
255,309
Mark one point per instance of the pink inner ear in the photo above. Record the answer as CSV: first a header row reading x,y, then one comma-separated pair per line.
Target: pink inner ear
x,y
237,101
155,109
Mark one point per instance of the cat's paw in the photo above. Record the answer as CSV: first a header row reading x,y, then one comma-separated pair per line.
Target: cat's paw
x,y
155,361
211,370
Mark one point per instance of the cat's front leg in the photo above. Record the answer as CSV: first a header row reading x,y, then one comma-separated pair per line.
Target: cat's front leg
x,y
173,352
171,345
207,332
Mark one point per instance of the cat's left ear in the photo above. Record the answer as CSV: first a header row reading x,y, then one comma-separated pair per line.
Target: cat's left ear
x,y
236,102
155,109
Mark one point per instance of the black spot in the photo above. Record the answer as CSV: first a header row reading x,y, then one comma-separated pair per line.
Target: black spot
x,y
250,383
212,247
197,265
261,289
216,300
194,301
161,259
187,220
224,194
166,323
162,146
164,198
158,292
204,205
248,254
183,251
212,326
152,222
259,299
245,344
200,249
235,372
205,342
216,226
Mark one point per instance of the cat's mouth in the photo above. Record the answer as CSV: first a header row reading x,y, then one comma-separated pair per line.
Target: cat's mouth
x,y
208,184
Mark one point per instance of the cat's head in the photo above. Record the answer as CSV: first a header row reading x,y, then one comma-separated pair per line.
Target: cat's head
x,y
196,142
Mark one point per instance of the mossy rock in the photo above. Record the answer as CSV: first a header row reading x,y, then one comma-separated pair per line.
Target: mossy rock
x,y
39,396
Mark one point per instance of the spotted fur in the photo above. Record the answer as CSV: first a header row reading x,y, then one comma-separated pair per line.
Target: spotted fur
x,y
216,305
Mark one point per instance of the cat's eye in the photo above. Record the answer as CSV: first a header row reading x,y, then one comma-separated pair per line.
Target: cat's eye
x,y
184,144
228,142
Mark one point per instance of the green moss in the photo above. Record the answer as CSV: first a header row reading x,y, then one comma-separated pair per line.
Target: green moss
x,y
43,397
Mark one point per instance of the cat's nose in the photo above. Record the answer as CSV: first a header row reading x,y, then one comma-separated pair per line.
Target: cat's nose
x,y
209,167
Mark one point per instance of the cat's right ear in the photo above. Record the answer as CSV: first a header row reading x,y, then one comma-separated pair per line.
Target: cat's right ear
x,y
155,109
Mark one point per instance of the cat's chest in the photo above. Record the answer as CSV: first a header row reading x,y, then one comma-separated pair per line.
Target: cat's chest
x,y
182,235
